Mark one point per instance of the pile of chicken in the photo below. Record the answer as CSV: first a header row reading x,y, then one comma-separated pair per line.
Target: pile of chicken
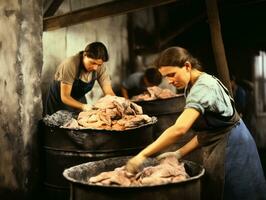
x,y
169,170
110,113
153,93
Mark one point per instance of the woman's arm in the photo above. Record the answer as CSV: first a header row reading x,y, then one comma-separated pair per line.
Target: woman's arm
x,y
107,89
65,93
124,92
173,133
188,147
104,81
169,136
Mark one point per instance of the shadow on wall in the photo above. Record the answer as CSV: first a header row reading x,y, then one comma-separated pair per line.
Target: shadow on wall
x,y
48,72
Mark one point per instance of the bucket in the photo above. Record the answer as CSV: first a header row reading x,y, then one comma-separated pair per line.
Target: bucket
x,y
81,189
63,148
166,111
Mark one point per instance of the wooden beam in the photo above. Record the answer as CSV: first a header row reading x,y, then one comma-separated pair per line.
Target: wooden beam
x,y
52,7
99,11
181,29
217,43
131,46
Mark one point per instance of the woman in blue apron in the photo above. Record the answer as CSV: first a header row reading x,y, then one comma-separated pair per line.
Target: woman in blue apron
x,y
229,153
75,77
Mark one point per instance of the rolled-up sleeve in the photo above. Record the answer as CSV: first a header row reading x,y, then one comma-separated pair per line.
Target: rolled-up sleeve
x,y
66,72
201,97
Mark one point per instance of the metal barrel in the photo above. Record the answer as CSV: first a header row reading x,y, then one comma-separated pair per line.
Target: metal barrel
x,y
64,148
166,111
82,190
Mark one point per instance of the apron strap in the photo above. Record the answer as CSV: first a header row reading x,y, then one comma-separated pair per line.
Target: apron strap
x,y
225,89
80,64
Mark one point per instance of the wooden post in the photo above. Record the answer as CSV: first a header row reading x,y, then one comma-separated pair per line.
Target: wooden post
x,y
131,45
217,43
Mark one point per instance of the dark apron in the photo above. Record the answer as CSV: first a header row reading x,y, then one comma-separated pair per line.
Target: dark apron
x,y
79,89
219,138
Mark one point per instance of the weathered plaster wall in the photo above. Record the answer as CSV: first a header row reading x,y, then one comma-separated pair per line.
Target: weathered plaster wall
x,y
20,95
61,43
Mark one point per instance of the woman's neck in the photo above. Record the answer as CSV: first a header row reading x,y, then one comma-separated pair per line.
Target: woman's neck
x,y
194,76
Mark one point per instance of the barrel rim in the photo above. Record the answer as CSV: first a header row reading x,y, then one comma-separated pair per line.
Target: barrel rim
x,y
152,122
78,151
86,184
158,100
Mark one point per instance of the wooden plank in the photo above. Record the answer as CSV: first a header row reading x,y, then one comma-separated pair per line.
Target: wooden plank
x,y
99,11
217,43
52,8
131,46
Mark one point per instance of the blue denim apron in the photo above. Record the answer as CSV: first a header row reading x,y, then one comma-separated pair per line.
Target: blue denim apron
x,y
230,157
79,89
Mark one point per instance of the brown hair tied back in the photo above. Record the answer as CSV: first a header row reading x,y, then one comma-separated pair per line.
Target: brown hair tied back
x,y
176,56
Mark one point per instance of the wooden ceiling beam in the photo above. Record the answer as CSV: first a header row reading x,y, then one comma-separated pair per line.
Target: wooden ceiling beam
x,y
99,11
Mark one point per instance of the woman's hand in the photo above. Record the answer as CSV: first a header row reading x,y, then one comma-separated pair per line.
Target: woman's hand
x,y
134,163
168,154
86,107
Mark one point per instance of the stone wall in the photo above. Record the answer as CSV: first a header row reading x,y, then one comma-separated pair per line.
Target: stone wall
x,y
20,94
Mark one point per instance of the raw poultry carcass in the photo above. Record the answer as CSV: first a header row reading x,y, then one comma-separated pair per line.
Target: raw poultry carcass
x,y
117,177
110,113
153,93
167,171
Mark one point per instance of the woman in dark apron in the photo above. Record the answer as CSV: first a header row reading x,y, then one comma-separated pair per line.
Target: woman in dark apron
x,y
79,89
230,157
86,64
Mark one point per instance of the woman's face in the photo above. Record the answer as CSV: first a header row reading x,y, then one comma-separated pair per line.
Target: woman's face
x,y
177,76
91,64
